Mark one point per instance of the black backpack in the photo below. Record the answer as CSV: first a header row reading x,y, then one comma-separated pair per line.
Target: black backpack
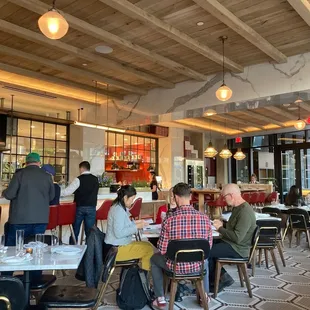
x,y
133,292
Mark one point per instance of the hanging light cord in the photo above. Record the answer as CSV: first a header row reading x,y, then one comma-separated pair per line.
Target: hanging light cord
x,y
223,40
108,105
54,2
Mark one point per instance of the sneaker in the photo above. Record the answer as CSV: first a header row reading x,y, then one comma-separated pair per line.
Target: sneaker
x,y
159,302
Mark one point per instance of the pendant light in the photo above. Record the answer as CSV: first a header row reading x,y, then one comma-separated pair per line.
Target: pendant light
x,y
239,155
224,93
225,152
52,24
210,151
299,124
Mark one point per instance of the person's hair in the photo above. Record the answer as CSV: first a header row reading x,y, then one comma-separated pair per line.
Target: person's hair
x,y
182,190
85,165
125,190
293,196
254,175
154,177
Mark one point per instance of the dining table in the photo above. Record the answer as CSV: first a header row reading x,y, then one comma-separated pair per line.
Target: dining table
x,y
259,217
49,261
201,196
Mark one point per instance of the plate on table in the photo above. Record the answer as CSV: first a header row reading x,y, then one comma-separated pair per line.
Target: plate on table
x,y
262,215
17,260
67,250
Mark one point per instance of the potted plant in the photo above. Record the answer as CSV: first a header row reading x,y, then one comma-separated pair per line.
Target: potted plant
x,y
104,183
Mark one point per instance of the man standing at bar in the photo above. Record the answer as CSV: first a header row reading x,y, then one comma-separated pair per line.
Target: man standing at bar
x,y
85,189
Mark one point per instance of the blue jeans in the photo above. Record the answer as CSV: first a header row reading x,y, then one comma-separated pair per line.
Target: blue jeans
x,y
86,214
158,263
29,230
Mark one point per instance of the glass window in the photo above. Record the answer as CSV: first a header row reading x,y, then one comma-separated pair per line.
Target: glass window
x,y
49,160
37,146
147,143
61,165
49,131
61,149
36,129
9,146
153,144
23,145
61,133
140,143
49,147
21,160
291,137
153,157
23,128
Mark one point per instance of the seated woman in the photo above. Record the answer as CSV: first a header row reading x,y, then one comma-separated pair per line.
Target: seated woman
x,y
120,230
293,198
167,208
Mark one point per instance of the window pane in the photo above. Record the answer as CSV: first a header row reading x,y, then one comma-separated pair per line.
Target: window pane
x,y
153,144
140,143
10,125
37,146
61,133
49,148
126,147
61,149
23,128
49,131
49,160
23,146
37,129
8,144
153,157
147,143
21,160
147,156
61,166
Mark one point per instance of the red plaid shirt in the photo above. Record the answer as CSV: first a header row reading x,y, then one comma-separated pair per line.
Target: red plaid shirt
x,y
184,223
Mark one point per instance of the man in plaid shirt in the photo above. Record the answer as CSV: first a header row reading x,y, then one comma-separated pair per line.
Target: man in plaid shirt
x,y
184,223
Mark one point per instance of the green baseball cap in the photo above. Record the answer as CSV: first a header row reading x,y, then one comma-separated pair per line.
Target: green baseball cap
x,y
33,158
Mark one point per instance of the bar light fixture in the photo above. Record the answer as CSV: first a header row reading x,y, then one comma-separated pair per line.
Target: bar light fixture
x,y
99,127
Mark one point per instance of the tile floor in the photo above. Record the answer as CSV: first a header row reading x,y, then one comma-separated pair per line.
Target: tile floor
x,y
288,291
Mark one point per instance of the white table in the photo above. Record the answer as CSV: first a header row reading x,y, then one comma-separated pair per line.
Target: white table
x,y
259,217
156,234
48,262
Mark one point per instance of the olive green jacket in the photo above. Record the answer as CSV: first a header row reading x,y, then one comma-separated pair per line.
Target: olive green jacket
x,y
240,228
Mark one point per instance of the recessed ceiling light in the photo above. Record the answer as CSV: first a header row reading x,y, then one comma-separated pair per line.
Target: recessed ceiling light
x,y
33,126
286,104
104,49
292,108
200,23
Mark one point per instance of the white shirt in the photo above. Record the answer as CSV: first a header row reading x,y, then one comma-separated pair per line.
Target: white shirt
x,y
72,187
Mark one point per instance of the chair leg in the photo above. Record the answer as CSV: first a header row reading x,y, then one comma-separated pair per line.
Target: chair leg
x,y
260,254
308,237
281,252
253,264
266,258
166,284
72,234
246,279
240,275
60,234
101,222
274,259
199,286
173,290
217,278
290,236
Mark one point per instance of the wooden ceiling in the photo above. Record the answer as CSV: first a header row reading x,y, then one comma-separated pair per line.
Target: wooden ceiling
x,y
156,43
248,121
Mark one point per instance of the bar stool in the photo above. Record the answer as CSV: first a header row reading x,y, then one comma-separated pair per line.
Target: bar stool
x,y
135,210
103,211
217,206
53,218
66,216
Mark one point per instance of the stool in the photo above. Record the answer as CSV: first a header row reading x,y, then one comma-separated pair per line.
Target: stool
x,y
66,216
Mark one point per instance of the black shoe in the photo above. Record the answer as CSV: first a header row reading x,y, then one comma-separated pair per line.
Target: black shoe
x,y
225,281
178,297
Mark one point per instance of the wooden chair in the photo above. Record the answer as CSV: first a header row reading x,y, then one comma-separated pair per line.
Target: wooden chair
x,y
241,264
298,222
187,250
269,239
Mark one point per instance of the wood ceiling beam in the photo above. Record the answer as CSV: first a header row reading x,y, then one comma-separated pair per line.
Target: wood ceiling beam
x,y
282,112
80,53
238,121
260,117
152,21
3,3
55,80
305,106
232,21
302,7
223,120
101,34
71,70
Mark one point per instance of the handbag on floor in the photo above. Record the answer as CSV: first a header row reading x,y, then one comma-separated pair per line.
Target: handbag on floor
x,y
134,291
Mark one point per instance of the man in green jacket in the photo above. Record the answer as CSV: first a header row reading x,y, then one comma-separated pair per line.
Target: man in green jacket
x,y
236,237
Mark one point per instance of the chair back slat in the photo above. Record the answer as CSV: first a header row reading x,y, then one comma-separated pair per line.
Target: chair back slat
x,y
188,250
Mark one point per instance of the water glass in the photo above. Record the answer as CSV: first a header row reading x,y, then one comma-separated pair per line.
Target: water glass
x,y
39,245
54,240
19,241
2,245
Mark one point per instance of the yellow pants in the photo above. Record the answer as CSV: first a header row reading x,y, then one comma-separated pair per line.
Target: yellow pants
x,y
142,250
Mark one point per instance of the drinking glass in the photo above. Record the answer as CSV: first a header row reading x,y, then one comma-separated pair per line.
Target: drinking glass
x,y
19,241
39,245
2,241
54,240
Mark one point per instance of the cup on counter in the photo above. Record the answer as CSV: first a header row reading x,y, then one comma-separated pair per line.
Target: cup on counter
x,y
39,245
19,248
2,245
